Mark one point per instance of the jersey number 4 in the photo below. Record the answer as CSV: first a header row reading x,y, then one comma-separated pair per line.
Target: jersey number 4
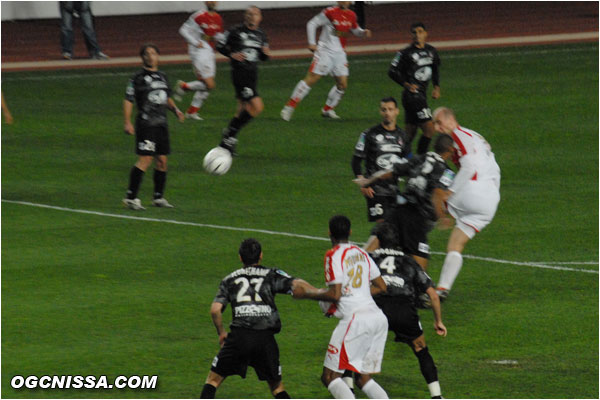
x,y
242,297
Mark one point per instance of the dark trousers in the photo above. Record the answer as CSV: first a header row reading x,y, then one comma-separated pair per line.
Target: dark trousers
x,y
81,8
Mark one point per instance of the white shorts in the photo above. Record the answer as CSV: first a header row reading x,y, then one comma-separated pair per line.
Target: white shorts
x,y
357,343
474,207
203,61
326,62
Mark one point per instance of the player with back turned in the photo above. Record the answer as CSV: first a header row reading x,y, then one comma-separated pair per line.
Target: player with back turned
x,y
413,68
246,45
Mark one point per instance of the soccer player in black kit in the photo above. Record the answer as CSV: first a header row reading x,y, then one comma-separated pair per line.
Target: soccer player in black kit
x,y
405,281
413,68
245,45
149,89
423,199
380,147
251,291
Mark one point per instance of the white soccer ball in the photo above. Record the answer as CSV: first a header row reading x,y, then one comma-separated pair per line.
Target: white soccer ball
x,y
217,161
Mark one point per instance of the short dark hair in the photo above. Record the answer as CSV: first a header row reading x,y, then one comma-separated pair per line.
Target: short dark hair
x,y
443,143
339,227
417,25
387,234
145,47
389,99
250,250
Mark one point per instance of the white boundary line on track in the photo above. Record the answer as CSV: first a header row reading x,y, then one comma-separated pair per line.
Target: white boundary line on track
x,y
268,232
67,75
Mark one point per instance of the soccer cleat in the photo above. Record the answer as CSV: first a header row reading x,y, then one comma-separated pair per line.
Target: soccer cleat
x,y
133,204
442,292
229,143
194,116
179,92
286,113
100,56
67,56
162,202
330,114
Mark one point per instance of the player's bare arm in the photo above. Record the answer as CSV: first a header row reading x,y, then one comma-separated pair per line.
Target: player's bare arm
x,y
127,109
436,93
216,313
438,199
379,175
378,286
436,307
304,290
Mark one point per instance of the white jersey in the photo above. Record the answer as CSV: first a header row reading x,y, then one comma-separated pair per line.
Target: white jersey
x,y
476,159
354,269
335,24
201,30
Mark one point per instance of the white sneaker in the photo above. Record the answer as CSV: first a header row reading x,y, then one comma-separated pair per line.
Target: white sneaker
x,y
443,293
134,204
194,116
286,113
179,92
330,114
162,202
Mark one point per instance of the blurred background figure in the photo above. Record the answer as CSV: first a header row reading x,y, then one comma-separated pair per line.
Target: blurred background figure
x,y
6,112
81,9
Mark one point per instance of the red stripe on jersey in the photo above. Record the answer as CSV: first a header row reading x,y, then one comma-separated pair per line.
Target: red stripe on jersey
x,y
329,275
461,146
474,178
344,361
463,131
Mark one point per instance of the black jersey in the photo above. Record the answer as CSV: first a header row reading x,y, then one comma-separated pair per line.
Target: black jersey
x,y
402,275
149,90
251,291
250,42
423,174
416,66
381,149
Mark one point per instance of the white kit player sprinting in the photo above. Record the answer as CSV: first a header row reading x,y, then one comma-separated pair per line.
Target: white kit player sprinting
x,y
475,192
202,31
358,341
329,58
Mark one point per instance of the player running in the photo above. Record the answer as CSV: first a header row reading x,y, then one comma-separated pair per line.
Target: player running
x,y
413,68
201,31
475,192
329,58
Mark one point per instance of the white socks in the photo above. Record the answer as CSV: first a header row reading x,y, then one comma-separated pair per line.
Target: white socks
x,y
434,389
300,92
340,390
450,269
196,85
373,390
199,98
334,97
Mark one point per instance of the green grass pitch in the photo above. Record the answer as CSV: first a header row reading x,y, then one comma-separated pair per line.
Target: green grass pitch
x,y
92,294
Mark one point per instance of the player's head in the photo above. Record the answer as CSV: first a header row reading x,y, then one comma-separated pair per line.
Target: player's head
x,y
418,32
339,228
252,17
444,120
250,252
388,109
444,146
387,235
149,53
344,4
211,5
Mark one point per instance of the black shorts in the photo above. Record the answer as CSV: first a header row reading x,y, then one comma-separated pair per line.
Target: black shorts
x,y
244,82
412,228
416,109
245,347
152,140
380,207
403,318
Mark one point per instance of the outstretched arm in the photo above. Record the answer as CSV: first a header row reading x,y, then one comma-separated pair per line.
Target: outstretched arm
x,y
304,290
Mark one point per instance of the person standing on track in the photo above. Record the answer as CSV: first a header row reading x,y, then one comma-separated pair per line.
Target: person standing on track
x,y
413,68
329,58
475,192
201,31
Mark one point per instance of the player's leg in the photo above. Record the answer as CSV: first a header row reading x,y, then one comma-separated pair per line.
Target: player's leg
x,y
427,366
300,91
278,389
336,386
369,387
136,174
334,97
160,181
213,381
205,69
459,237
87,27
425,139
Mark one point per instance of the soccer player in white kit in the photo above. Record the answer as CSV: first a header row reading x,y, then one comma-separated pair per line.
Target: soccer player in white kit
x,y
358,341
329,58
475,192
202,30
